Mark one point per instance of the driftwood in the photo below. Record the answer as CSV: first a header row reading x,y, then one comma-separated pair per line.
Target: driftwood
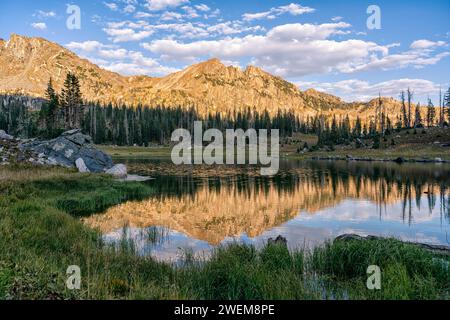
x,y
437,249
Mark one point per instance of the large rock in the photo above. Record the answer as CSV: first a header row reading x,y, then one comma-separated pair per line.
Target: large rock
x,y
118,171
68,148
5,136
81,166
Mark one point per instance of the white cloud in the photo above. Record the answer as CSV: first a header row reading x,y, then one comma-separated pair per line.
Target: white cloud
x,y
191,13
129,8
88,46
336,19
293,9
202,7
117,59
358,90
426,44
125,31
39,25
156,5
229,28
170,15
295,50
111,5
44,14
140,15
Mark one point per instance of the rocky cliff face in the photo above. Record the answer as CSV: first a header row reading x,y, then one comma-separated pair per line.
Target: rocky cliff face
x,y
26,64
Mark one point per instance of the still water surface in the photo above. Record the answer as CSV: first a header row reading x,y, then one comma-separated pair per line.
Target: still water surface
x,y
308,202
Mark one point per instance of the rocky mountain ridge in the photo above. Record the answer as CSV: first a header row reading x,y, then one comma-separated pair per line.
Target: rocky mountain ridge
x,y
26,64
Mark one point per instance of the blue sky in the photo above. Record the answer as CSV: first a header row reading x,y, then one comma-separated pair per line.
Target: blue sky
x,y
321,44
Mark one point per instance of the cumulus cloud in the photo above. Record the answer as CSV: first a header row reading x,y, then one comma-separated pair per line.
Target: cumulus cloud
x,y
39,25
426,44
358,90
293,9
337,18
44,14
136,30
117,59
202,7
295,50
127,31
156,5
87,46
170,15
129,8
111,5
191,13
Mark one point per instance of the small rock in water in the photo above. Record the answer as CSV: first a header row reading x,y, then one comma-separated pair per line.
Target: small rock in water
x,y
437,159
81,166
280,240
400,160
118,171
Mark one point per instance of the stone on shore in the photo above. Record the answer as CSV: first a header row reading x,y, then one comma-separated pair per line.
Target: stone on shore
x,y
118,171
5,136
66,149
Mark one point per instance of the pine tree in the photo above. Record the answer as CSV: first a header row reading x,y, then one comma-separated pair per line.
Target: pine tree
x,y
446,104
431,113
51,110
71,102
418,117
404,113
409,97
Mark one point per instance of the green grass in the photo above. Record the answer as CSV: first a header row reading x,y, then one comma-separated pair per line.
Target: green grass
x,y
127,152
41,235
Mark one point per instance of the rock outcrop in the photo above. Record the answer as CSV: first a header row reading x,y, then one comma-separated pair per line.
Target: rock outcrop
x,y
67,149
5,136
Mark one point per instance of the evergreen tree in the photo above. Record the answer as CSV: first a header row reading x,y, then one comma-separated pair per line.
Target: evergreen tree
x,y
409,97
71,102
431,113
446,104
404,113
418,117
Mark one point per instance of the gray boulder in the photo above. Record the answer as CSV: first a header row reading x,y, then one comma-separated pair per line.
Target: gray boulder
x,y
81,166
118,171
5,136
66,149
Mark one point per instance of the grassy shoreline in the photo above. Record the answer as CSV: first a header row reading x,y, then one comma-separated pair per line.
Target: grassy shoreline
x,y
42,235
407,152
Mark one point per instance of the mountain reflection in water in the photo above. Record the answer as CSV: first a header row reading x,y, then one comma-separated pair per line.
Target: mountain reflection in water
x,y
307,202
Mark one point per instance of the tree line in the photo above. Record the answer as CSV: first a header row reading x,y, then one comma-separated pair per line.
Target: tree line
x,y
144,125
333,131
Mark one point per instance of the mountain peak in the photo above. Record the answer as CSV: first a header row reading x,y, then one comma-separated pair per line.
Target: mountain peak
x,y
213,61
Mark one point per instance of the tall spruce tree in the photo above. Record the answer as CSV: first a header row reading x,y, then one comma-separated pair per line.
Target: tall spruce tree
x,y
431,113
71,102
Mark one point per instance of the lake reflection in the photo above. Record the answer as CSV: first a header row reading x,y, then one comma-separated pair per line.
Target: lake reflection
x,y
307,202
